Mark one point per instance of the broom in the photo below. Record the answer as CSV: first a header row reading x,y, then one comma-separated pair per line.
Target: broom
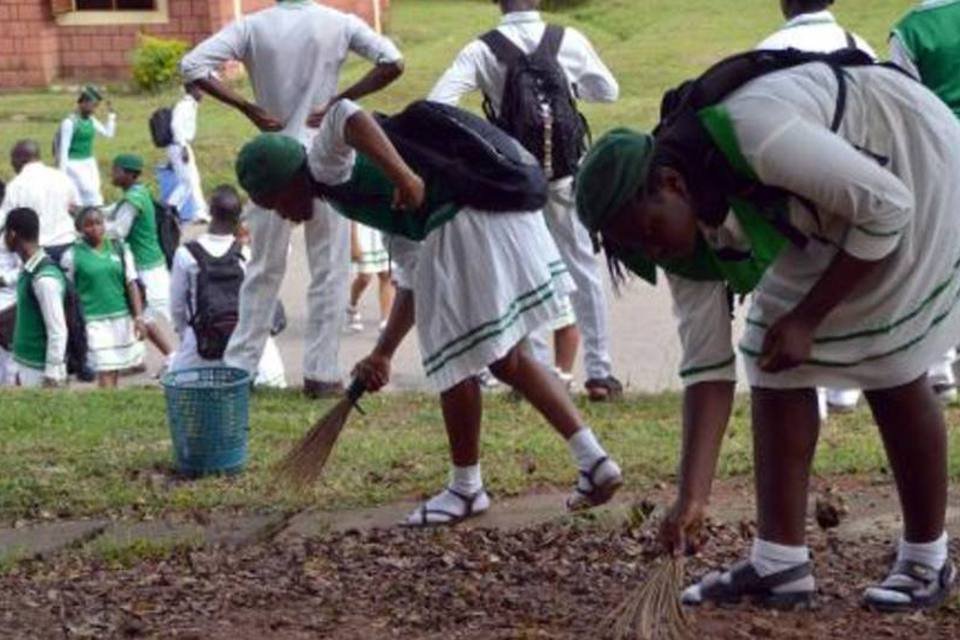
x,y
653,611
303,464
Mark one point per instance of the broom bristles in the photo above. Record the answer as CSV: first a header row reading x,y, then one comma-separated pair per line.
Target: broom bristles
x,y
653,611
303,465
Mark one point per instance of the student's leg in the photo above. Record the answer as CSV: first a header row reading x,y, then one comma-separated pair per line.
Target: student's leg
x,y
464,496
196,187
360,283
270,245
328,254
156,283
386,294
566,341
915,437
600,477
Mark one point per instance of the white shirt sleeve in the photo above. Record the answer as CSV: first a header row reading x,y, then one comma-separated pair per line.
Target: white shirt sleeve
x,y
591,78
108,130
67,264
49,294
901,56
184,122
809,160
702,310
366,42
330,158
129,266
230,43
462,77
180,293
122,221
66,135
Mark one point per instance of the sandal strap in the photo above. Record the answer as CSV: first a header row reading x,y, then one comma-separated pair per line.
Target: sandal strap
x,y
744,580
918,571
588,475
468,500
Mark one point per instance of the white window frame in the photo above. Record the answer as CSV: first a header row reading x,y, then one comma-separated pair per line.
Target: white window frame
x,y
160,15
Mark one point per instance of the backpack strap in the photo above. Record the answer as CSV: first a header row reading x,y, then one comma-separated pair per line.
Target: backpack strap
x,y
503,49
851,41
549,46
202,258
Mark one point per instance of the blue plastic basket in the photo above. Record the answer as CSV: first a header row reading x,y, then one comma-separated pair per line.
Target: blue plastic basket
x,y
208,412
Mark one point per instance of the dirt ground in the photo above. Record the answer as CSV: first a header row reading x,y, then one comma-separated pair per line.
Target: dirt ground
x,y
550,580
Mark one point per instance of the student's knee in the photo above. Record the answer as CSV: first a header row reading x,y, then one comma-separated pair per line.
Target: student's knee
x,y
362,279
506,368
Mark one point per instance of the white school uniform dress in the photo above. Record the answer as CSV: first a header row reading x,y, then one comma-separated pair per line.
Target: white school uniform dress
x,y
9,272
481,282
293,53
183,294
374,257
112,343
879,190
50,193
49,294
85,173
476,68
189,189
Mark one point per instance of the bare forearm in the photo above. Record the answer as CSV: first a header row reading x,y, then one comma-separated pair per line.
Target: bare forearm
x,y
133,294
398,324
222,92
706,413
843,275
364,134
377,78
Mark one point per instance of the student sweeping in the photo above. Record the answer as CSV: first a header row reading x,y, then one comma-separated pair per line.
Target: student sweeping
x,y
850,242
205,293
134,223
370,258
105,277
40,333
474,286
75,143
488,64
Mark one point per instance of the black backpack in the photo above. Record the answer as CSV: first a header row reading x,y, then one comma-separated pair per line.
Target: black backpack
x,y
161,127
168,229
76,356
538,107
217,299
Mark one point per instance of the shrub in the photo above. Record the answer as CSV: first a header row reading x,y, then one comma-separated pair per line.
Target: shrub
x,y
156,62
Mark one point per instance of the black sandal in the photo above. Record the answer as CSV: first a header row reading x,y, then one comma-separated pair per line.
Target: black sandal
x,y
745,582
603,389
596,494
930,589
425,517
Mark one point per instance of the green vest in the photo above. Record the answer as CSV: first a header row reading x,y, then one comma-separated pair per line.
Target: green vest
x,y
81,144
931,34
766,243
99,279
367,198
30,332
143,241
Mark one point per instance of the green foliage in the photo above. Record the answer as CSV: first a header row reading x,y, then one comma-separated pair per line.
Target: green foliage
x,y
155,62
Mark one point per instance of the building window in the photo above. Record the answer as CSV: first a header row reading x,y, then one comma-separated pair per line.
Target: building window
x,y
114,5
109,12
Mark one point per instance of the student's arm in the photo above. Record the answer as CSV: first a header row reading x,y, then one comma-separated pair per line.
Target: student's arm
x,y
66,135
134,298
387,65
901,56
462,78
122,222
108,130
708,371
593,80
180,294
374,370
199,67
67,264
49,293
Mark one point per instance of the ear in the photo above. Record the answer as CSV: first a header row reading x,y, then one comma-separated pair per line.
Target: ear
x,y
669,179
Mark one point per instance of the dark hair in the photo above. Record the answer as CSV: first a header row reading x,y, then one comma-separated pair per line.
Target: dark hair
x,y
812,5
24,222
82,215
226,204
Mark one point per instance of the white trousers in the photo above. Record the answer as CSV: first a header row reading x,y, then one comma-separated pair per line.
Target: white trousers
x,y
8,369
86,176
327,238
188,189
589,300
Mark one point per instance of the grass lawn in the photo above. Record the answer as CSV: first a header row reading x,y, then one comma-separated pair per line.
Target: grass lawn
x,y
73,454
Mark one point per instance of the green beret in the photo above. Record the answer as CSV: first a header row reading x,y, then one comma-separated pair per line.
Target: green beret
x,y
129,162
89,92
612,172
268,162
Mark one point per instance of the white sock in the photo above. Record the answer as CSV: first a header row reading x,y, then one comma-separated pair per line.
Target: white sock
x,y
466,480
585,448
932,554
769,558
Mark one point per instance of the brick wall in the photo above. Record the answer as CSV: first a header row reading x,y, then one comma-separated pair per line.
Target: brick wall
x,y
34,51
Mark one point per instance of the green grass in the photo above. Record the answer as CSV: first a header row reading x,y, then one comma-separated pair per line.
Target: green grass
x,y
650,45
76,454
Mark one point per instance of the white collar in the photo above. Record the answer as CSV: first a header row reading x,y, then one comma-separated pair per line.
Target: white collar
x,y
815,17
521,17
35,260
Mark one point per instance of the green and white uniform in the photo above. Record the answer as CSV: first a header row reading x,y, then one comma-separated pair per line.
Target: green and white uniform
x,y
134,222
879,191
40,336
101,278
926,42
481,281
76,156
374,257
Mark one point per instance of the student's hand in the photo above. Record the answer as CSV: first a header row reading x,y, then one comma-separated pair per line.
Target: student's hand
x,y
315,119
185,154
373,371
409,193
788,343
263,120
50,383
681,527
139,328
